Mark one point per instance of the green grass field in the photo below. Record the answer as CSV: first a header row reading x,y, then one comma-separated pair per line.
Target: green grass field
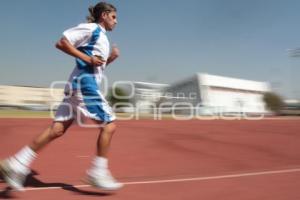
x,y
15,113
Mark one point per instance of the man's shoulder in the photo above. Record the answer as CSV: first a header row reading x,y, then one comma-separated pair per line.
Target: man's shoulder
x,y
91,26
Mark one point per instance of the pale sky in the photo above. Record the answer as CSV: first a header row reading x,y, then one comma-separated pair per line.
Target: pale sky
x,y
160,41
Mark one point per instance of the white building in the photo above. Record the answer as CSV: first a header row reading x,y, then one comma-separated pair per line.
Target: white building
x,y
30,97
144,95
211,94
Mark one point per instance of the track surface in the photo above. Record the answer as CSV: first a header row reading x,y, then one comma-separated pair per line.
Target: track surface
x,y
172,160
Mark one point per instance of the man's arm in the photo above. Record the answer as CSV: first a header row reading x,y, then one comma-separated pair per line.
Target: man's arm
x,y
64,45
115,53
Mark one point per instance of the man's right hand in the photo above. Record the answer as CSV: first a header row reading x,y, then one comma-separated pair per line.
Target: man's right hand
x,y
97,61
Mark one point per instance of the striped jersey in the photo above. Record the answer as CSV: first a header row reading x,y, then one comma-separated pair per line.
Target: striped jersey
x,y
91,39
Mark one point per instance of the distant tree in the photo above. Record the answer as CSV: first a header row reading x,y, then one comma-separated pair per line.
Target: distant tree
x,y
118,96
273,102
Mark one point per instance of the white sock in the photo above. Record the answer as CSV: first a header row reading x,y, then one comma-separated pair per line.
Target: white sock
x,y
25,156
17,166
99,165
100,162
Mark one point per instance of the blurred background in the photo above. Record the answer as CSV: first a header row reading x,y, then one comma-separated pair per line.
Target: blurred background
x,y
217,56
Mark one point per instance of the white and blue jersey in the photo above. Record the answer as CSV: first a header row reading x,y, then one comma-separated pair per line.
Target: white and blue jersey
x,y
83,90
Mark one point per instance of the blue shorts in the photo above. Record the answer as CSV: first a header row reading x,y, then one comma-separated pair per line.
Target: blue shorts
x,y
76,107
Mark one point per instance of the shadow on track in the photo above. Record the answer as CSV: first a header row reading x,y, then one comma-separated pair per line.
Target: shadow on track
x,y
32,181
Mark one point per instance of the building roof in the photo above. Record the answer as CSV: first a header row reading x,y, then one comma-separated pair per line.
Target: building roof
x,y
148,85
232,83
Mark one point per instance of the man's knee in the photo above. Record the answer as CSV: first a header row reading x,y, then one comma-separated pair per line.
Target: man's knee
x,y
57,129
110,128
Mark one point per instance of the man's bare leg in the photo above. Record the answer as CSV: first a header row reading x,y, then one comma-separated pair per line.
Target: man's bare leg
x,y
104,139
99,175
15,169
56,130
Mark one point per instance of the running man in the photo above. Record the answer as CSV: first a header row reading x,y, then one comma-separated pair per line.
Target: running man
x,y
88,43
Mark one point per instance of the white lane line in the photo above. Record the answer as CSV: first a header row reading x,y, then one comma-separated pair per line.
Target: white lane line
x,y
83,156
183,179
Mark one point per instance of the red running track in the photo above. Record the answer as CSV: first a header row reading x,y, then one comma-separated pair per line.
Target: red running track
x,y
172,160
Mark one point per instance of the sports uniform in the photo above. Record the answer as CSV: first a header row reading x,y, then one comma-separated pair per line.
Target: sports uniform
x,y
83,96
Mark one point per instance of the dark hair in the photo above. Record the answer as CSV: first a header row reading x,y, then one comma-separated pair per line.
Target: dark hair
x,y
98,9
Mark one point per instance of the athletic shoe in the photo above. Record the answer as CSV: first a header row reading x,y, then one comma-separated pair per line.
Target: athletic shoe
x,y
13,178
103,180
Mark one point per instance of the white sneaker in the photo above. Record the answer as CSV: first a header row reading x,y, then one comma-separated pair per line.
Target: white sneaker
x,y
13,178
103,180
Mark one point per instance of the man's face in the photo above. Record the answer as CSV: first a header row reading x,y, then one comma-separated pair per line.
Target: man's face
x,y
110,20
